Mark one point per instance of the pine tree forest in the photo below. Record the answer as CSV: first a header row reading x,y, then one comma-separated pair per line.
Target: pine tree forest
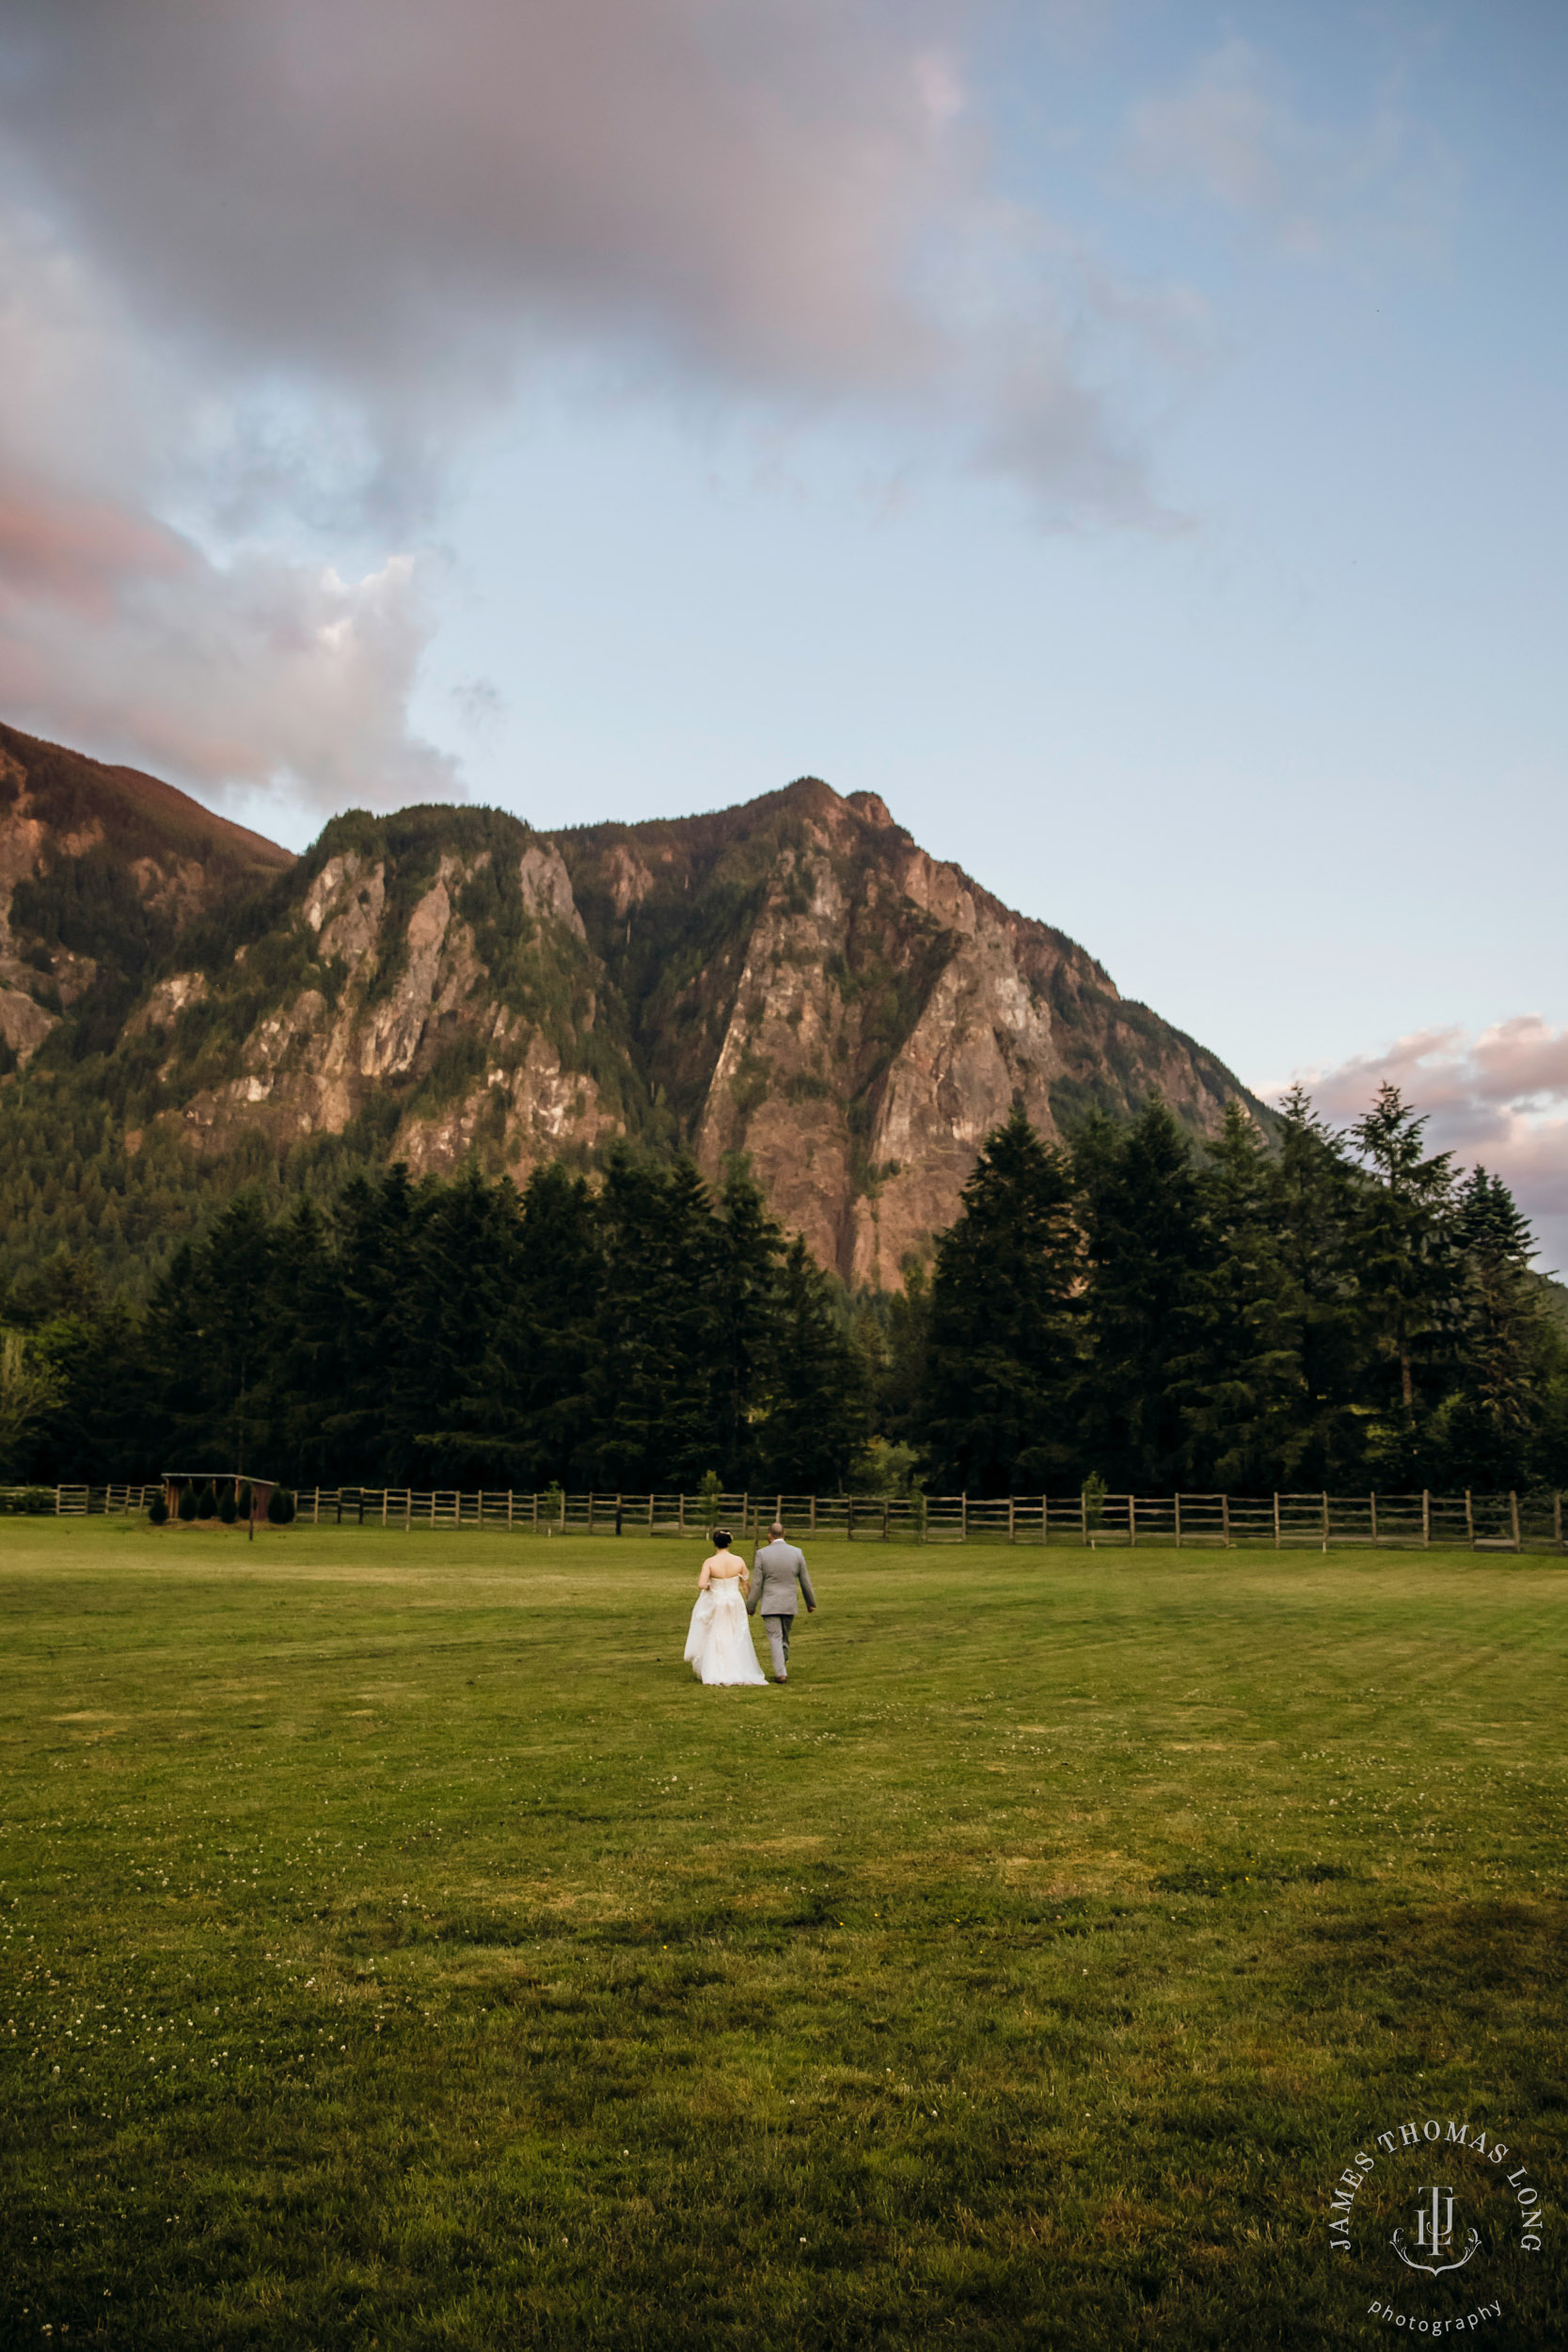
x,y
1315,1310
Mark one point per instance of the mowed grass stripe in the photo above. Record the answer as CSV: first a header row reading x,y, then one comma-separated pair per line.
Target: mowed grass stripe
x,y
428,1960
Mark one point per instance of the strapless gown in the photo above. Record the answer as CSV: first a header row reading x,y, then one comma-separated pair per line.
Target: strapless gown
x,y
718,1643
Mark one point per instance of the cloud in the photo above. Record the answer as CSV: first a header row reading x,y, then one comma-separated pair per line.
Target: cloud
x,y
255,672
407,203
1499,1098
1229,135
269,269
124,633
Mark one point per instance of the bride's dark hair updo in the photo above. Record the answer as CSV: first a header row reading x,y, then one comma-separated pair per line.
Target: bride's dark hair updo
x,y
721,1539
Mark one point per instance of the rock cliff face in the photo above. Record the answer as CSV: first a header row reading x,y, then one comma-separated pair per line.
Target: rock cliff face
x,y
101,869
794,978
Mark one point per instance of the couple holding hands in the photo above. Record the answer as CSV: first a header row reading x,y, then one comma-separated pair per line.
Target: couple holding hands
x,y
718,1643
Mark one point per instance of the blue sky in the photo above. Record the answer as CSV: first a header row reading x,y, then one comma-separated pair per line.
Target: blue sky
x,y
1129,437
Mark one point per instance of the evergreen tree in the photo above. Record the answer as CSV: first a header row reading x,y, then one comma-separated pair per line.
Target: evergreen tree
x,y
31,1388
1148,1254
207,1340
750,1245
891,1329
368,1426
1316,1194
462,1293
302,1386
652,1381
1000,1357
1405,1273
1486,1430
814,1417
545,1357
1240,1384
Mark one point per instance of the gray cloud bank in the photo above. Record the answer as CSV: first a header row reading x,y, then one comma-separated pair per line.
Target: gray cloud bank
x,y
280,260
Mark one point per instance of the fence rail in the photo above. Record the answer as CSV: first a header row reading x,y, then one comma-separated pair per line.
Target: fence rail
x,y
77,1501
1483,1522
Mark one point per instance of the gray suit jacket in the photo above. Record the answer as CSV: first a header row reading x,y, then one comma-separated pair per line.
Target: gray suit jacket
x,y
777,1570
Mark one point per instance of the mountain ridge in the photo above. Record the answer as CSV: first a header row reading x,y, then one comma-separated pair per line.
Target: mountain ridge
x,y
792,978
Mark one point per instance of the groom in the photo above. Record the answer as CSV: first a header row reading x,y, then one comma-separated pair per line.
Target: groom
x,y
779,1568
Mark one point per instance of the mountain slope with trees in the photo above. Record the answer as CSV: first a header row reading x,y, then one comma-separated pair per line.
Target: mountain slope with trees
x,y
794,978
1161,1313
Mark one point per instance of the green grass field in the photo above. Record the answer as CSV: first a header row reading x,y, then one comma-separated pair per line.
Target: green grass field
x,y
401,1949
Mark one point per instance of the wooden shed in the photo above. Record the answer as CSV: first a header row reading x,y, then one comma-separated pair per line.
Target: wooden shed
x,y
176,1482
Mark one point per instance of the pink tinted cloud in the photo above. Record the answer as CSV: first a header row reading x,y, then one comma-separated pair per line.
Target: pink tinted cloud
x,y
264,264
78,552
791,197
126,636
1499,1098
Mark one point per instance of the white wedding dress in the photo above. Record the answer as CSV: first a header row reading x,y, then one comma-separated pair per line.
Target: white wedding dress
x,y
719,1642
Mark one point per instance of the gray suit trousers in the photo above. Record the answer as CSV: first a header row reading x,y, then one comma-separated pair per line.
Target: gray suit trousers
x,y
778,1641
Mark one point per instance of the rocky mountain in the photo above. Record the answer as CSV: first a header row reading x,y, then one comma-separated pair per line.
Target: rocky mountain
x,y
100,870
794,978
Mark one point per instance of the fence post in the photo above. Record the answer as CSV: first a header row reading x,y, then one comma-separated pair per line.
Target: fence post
x,y
1426,1518
1276,1522
963,1517
408,1510
1469,1519
884,1520
1557,1517
680,1511
814,1514
1373,1499
1012,1529
1178,1501
1225,1520
1325,1519
316,1508
1132,1522
1513,1514
650,1514
1084,1518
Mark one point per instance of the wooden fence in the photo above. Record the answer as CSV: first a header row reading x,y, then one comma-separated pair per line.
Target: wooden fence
x,y
1318,1522
78,1502
1490,1522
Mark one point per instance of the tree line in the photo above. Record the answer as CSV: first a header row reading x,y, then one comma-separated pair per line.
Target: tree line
x,y
1323,1310
1341,1311
642,1330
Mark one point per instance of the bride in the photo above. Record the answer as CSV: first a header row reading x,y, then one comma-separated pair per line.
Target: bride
x,y
719,1642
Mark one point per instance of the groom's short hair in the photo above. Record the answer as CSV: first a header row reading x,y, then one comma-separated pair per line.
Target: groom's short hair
x,y
777,1528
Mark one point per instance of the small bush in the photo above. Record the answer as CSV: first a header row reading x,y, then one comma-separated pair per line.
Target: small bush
x,y
227,1508
280,1507
20,1500
187,1504
157,1510
206,1502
